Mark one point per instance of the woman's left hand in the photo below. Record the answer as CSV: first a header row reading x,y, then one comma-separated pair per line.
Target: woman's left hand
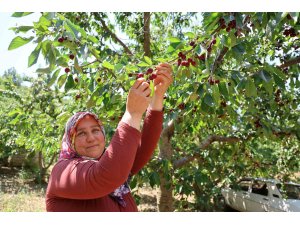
x,y
163,80
161,83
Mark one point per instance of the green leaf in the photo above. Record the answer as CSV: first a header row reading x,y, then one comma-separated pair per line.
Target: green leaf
x,y
174,40
18,42
143,64
53,78
269,87
279,81
216,94
250,88
32,59
70,83
264,75
74,29
93,39
108,65
61,80
223,89
148,60
21,14
190,35
208,100
43,70
23,29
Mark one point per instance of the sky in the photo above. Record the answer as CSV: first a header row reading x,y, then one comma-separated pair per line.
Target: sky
x,y
17,58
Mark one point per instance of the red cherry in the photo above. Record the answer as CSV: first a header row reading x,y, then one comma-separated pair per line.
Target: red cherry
x,y
179,62
228,29
78,96
71,56
190,60
192,43
67,70
181,106
223,26
140,75
76,80
193,63
153,76
202,57
180,54
61,39
149,71
214,41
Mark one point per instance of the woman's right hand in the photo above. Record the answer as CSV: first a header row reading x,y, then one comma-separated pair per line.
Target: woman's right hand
x,y
137,102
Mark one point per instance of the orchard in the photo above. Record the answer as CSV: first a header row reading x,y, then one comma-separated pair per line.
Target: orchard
x,y
232,111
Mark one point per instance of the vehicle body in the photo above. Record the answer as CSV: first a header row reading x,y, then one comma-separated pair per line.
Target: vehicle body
x,y
263,195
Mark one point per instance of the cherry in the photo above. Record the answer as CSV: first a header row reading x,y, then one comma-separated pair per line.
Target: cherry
x,y
149,71
179,61
214,41
181,106
67,70
192,43
98,79
140,75
153,76
202,57
78,96
76,80
180,54
193,63
228,29
190,60
223,26
61,39
223,104
71,56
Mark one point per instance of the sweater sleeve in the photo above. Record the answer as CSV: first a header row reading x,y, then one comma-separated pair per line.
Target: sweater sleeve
x,y
90,179
150,136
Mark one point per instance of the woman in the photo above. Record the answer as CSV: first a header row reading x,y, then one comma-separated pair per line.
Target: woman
x,y
87,178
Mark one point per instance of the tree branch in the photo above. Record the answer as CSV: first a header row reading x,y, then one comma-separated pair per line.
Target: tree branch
x,y
183,161
290,63
147,34
114,36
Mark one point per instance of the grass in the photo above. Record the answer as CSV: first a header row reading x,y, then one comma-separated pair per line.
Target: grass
x,y
19,193
22,202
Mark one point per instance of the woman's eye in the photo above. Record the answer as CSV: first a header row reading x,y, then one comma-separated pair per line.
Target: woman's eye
x,y
96,131
81,134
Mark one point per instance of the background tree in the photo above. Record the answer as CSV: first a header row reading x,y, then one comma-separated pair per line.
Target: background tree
x,y
233,110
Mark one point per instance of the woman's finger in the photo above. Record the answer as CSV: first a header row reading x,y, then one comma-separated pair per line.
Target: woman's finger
x,y
143,86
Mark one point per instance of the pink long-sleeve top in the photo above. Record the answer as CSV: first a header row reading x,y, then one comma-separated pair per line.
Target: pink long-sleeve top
x,y
85,186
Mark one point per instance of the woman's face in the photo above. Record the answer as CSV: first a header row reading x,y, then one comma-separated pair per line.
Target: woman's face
x,y
89,139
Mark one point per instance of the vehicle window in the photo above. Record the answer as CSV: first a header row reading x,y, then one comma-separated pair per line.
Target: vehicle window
x,y
244,185
260,187
289,191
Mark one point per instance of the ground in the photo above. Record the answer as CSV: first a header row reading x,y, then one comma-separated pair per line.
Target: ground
x,y
19,193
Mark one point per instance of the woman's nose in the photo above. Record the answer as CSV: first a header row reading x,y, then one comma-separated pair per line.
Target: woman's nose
x,y
90,137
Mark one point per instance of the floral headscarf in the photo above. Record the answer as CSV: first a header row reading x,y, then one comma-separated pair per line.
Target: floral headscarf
x,y
68,150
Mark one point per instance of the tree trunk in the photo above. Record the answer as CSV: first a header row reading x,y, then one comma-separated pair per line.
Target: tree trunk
x,y
147,34
165,192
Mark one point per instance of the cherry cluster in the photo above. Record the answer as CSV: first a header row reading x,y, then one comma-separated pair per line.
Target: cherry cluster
x,y
231,25
290,32
148,74
67,69
213,81
257,123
